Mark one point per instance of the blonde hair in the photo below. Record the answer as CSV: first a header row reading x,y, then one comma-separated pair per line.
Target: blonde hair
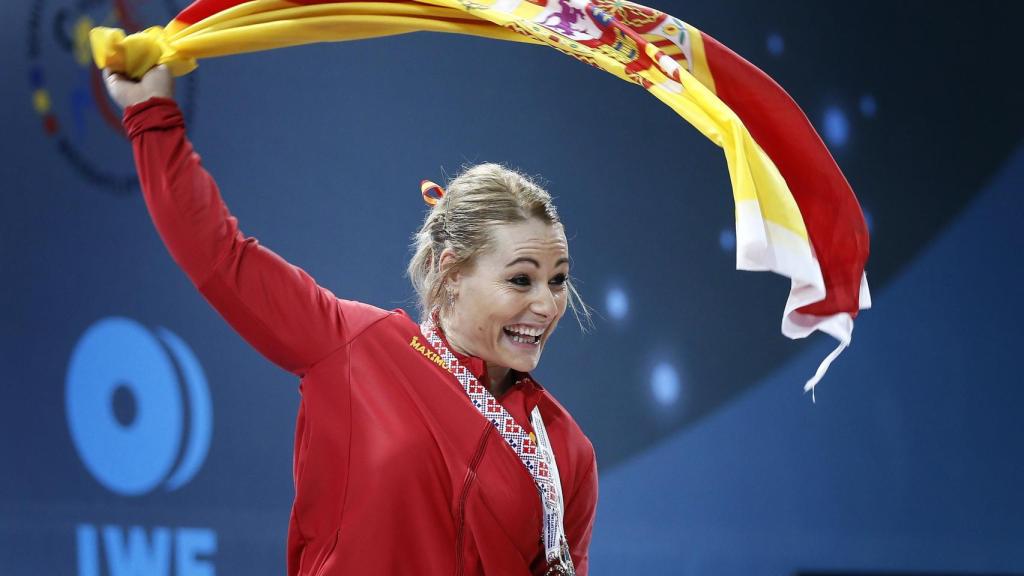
x,y
482,196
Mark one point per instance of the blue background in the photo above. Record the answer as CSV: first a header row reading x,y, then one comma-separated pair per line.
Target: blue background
x,y
712,461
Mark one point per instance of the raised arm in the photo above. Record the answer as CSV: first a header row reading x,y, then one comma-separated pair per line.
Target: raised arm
x,y
277,307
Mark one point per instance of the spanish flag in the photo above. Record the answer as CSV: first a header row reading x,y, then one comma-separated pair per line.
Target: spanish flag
x,y
796,215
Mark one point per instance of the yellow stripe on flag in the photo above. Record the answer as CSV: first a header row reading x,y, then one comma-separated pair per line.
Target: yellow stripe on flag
x,y
701,70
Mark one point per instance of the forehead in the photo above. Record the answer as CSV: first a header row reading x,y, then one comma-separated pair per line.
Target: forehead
x,y
534,238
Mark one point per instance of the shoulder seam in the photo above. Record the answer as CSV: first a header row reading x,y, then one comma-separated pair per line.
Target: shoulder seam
x,y
348,341
256,318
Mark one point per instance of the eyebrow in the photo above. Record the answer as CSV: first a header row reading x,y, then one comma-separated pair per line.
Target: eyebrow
x,y
534,262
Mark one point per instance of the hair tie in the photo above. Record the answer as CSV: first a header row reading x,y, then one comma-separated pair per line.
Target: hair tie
x,y
426,187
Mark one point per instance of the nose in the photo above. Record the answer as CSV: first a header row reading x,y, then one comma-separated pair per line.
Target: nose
x,y
545,303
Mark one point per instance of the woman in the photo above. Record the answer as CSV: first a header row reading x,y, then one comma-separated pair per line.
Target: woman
x,y
419,448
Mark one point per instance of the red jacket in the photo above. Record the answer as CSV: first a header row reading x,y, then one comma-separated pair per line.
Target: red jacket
x,y
395,471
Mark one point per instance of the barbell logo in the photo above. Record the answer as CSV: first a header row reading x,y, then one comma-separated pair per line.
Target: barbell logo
x,y
138,407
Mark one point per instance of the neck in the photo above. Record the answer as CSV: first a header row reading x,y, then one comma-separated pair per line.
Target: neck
x,y
500,379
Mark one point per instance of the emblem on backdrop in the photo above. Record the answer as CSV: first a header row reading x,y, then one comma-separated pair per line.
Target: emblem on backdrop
x,y
138,407
66,89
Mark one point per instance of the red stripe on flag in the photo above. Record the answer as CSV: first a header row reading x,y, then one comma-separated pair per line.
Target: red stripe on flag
x,y
829,208
202,9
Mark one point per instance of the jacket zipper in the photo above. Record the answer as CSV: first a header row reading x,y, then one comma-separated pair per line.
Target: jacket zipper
x,y
470,477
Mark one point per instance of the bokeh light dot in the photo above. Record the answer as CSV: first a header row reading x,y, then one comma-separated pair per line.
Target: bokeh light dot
x,y
727,240
775,44
868,106
665,384
836,127
617,303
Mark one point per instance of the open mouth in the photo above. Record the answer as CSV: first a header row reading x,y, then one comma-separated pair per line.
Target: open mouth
x,y
528,336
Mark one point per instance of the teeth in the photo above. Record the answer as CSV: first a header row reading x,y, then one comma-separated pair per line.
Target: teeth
x,y
526,330
524,340
524,334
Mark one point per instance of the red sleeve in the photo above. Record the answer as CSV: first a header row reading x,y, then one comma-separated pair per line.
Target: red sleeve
x,y
277,307
580,510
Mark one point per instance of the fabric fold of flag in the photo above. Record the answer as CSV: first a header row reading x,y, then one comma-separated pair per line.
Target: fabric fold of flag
x,y
796,215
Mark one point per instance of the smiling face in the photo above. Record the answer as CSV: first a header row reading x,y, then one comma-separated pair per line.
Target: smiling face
x,y
510,300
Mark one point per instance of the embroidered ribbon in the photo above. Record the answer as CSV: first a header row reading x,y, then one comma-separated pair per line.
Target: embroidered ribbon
x,y
533,450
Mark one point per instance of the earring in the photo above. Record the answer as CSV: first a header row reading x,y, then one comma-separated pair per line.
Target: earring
x,y
451,297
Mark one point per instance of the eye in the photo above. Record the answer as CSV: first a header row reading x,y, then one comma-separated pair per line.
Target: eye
x,y
520,280
560,280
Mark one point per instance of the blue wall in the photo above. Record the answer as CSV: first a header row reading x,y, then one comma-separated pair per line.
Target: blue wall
x,y
712,461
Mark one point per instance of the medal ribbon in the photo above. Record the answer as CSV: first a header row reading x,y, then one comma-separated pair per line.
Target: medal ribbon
x,y
534,452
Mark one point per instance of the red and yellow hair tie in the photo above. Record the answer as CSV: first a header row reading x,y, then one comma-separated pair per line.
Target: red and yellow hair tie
x,y
432,193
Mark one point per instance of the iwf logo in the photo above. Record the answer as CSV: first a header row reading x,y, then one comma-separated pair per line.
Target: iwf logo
x,y
67,91
140,415
131,395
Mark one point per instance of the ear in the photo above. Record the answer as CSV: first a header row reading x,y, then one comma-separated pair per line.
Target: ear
x,y
445,263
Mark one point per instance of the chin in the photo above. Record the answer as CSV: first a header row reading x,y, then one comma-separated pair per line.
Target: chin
x,y
518,359
525,365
